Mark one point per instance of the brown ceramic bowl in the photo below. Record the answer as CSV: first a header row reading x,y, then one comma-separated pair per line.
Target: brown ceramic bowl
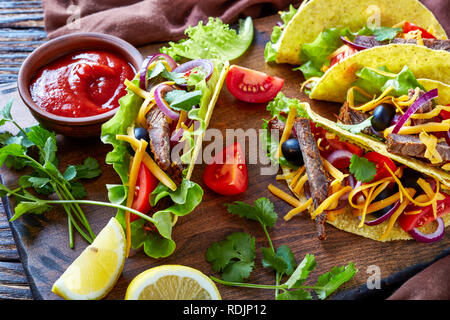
x,y
53,49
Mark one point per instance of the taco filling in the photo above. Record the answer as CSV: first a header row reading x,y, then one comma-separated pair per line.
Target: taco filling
x,y
155,135
350,186
397,110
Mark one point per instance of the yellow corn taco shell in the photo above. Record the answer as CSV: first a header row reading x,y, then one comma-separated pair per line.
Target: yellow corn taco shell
x,y
346,221
314,16
423,62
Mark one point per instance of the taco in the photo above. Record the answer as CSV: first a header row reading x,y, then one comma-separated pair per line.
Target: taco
x,y
351,182
321,33
156,135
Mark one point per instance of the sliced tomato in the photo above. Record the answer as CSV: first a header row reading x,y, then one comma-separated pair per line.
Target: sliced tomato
x,y
444,114
251,85
408,26
145,184
348,51
411,221
227,174
379,161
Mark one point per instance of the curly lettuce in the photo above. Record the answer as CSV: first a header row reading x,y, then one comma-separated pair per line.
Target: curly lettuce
x,y
270,52
214,40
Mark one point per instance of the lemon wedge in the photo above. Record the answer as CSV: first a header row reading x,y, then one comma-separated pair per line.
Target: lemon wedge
x,y
172,282
94,273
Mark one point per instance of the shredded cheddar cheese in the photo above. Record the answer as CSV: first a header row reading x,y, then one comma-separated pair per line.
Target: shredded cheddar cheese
x,y
287,128
298,210
134,171
150,163
426,127
374,103
284,196
430,141
328,201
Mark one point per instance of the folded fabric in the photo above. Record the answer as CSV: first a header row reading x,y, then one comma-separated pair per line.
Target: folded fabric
x,y
433,283
144,21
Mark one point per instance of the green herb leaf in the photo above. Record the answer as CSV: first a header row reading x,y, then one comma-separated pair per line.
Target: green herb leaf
x,y
280,106
331,281
356,128
37,207
263,211
5,112
385,33
183,100
362,169
233,256
77,190
273,261
302,271
299,294
88,170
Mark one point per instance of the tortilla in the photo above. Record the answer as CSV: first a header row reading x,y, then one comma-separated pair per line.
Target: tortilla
x,y
423,62
347,221
314,16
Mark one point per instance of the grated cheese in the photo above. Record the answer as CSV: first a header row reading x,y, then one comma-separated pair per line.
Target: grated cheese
x,y
430,141
326,203
284,196
297,210
287,128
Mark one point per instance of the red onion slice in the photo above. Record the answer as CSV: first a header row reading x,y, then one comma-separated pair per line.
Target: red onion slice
x,y
431,237
176,136
338,158
352,44
384,217
160,91
427,96
151,58
206,65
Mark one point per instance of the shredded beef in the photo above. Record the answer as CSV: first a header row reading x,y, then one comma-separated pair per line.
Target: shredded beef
x,y
370,42
409,145
159,133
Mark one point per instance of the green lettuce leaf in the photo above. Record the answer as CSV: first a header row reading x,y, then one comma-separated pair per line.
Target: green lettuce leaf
x,y
215,40
270,52
375,83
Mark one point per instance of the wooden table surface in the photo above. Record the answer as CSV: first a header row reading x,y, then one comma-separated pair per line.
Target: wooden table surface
x,y
21,31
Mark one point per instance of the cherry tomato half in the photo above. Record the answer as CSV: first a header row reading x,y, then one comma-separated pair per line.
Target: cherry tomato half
x,y
349,51
251,85
145,184
379,161
411,221
227,174
408,26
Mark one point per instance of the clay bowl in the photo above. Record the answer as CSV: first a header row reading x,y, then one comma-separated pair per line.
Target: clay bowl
x,y
52,50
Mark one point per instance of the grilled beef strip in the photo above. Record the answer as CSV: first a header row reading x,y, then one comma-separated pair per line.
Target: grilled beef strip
x,y
409,145
277,124
317,176
370,42
159,133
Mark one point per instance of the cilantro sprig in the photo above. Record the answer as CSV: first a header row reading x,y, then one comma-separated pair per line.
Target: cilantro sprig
x,y
362,169
235,256
36,148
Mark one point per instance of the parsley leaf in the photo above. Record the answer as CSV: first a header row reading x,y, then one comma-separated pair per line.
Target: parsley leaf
x,y
302,271
263,211
329,282
299,294
283,261
233,256
183,100
385,33
362,169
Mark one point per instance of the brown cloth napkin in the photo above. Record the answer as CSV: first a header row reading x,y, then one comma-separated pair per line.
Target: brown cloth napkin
x,y
144,21
433,283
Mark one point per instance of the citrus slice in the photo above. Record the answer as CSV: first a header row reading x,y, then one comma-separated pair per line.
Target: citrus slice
x,y
94,273
172,282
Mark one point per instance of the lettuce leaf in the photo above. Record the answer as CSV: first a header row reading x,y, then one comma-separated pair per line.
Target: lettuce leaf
x,y
375,83
270,52
215,40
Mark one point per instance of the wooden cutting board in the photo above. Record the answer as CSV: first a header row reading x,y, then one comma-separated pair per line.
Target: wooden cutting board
x,y
43,241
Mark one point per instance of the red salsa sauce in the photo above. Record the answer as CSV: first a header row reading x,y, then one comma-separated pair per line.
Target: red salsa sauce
x,y
81,84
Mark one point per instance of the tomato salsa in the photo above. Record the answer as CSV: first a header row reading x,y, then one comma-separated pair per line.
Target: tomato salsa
x,y
81,84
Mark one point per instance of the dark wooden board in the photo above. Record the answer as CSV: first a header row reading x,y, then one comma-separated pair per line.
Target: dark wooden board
x,y
43,243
